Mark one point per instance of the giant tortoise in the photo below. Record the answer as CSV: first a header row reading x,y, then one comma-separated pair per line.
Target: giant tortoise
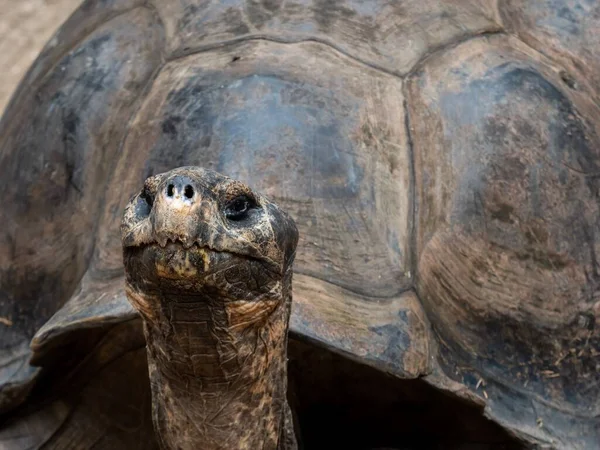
x,y
440,160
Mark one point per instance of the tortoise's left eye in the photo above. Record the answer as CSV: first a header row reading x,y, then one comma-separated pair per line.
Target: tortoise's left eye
x,y
238,208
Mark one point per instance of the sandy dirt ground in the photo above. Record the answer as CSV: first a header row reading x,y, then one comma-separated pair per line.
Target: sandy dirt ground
x,y
25,27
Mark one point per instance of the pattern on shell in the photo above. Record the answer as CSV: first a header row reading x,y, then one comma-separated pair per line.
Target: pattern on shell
x,y
450,147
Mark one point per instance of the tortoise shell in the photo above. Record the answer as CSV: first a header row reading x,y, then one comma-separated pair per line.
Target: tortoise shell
x,y
440,159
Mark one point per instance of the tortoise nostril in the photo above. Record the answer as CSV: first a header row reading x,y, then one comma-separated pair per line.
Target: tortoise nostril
x,y
181,188
170,190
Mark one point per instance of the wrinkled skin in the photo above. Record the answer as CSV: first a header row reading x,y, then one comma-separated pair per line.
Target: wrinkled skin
x,y
208,266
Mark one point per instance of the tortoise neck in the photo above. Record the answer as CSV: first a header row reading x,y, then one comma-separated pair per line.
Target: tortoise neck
x,y
214,385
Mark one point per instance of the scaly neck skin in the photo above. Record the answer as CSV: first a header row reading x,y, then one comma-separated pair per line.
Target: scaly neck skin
x,y
216,382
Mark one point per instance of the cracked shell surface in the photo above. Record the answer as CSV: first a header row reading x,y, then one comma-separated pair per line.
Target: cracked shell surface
x,y
439,158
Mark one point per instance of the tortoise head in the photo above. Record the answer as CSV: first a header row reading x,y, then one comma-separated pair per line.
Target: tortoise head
x,y
208,266
195,230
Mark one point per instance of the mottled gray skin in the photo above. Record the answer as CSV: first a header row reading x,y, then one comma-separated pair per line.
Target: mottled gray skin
x,y
209,267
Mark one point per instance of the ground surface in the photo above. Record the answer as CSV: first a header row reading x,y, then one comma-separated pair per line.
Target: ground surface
x,y
25,26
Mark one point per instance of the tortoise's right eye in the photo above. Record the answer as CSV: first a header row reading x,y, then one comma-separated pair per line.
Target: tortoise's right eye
x,y
147,196
143,205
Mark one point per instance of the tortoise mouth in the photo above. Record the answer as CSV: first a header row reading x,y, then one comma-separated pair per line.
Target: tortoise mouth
x,y
170,244
184,263
142,236
176,241
173,264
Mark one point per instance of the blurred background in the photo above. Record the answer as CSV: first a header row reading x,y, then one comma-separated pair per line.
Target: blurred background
x,y
25,27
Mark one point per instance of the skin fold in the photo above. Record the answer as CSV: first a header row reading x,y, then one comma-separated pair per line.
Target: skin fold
x,y
209,267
